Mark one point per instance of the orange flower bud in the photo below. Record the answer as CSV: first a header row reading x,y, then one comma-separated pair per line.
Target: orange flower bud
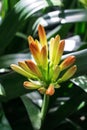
x,y
67,62
50,91
23,65
43,57
21,71
35,50
30,85
53,48
59,52
34,68
68,74
42,35
30,39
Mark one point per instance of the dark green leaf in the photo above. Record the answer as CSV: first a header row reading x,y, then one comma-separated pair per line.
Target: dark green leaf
x,y
15,18
54,2
33,112
67,108
2,91
17,116
13,86
81,81
7,60
4,124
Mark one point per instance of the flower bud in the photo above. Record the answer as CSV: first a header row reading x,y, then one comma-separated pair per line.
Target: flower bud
x,y
42,35
53,48
59,52
56,73
30,85
35,50
21,71
44,57
34,68
50,91
68,74
42,90
67,62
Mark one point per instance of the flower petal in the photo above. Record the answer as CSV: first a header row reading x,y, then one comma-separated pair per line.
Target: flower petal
x,y
42,90
35,50
53,48
68,74
42,35
44,57
59,52
30,85
21,71
50,91
30,39
57,86
67,62
23,65
56,73
34,68
51,44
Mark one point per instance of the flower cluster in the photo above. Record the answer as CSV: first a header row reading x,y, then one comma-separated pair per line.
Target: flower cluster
x,y
46,72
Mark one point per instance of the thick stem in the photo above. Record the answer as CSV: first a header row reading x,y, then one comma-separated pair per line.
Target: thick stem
x,y
44,108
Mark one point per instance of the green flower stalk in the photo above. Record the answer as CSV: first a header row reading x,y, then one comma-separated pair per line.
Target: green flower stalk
x,y
44,73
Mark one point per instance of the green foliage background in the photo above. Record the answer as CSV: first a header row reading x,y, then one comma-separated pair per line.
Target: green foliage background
x,y
19,108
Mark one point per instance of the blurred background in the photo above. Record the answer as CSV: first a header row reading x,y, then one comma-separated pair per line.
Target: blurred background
x,y
19,107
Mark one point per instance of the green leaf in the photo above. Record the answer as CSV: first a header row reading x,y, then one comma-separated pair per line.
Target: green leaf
x,y
2,91
13,86
61,21
84,2
54,2
15,18
33,111
4,124
7,60
81,81
17,117
68,108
